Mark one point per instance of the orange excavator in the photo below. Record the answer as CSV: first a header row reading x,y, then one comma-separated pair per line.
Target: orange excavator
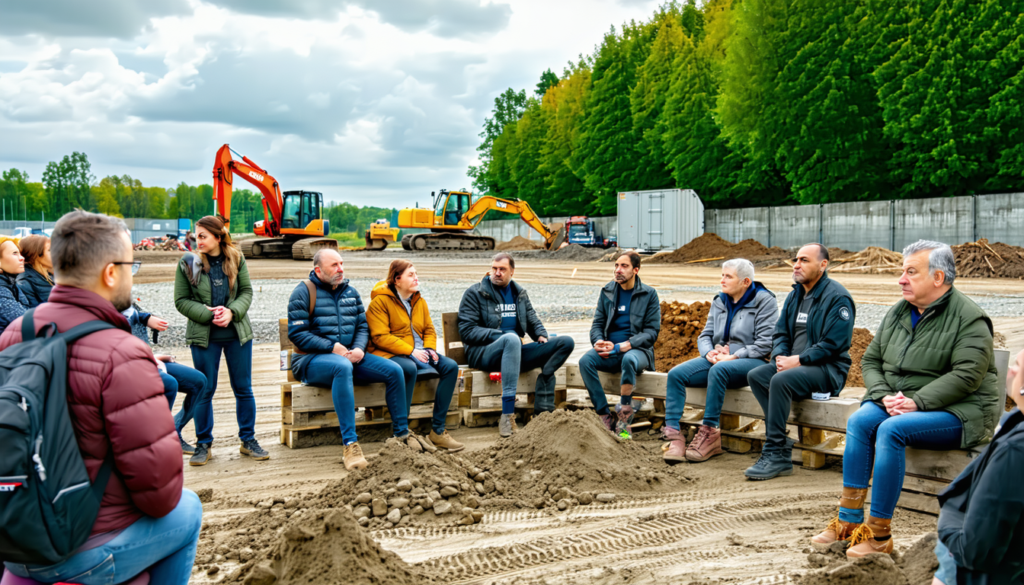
x,y
454,215
293,224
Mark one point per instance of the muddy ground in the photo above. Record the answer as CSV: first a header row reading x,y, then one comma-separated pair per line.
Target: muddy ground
x,y
716,527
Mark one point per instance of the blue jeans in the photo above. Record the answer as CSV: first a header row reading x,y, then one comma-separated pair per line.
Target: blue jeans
x,y
338,373
700,373
629,365
446,369
190,381
165,546
947,564
239,360
510,356
874,436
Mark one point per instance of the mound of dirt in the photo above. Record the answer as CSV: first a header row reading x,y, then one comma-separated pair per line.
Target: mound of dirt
x,y
984,260
870,260
332,550
612,254
917,566
861,339
681,324
565,457
519,243
578,253
713,248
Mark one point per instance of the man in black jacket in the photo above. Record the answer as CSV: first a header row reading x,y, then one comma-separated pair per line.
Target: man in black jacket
x,y
810,355
981,519
494,315
625,327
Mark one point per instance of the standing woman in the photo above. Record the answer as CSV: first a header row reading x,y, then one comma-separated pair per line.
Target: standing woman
x,y
401,330
12,300
213,292
37,280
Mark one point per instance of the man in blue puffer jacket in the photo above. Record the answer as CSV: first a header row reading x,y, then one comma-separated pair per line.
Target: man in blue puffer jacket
x,y
330,350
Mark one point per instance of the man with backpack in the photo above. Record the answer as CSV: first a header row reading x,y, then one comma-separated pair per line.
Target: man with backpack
x,y
128,512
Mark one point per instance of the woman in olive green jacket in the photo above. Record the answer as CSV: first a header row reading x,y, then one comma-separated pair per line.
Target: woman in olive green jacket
x,y
931,384
213,291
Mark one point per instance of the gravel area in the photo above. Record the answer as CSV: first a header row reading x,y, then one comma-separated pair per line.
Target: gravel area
x,y
554,303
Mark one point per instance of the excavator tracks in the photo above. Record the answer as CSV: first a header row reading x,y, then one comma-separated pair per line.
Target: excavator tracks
x,y
431,242
303,249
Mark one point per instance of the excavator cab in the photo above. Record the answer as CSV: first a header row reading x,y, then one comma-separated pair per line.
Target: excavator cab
x,y
301,208
450,207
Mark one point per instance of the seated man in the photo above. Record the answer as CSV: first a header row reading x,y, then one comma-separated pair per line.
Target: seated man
x,y
626,325
494,315
810,355
330,334
736,339
931,384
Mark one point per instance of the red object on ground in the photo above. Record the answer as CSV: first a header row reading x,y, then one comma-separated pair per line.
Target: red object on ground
x,y
495,376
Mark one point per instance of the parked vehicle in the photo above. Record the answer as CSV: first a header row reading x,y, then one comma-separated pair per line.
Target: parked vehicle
x,y
584,231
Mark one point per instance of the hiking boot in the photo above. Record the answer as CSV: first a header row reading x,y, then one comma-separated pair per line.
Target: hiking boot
x,y
674,451
705,445
445,441
424,444
770,465
185,447
864,540
608,420
201,456
253,449
353,457
625,413
507,425
853,499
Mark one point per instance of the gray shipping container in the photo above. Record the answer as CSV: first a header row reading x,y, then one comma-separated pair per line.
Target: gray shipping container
x,y
662,219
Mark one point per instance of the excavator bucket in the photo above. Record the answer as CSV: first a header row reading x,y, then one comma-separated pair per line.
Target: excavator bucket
x,y
556,240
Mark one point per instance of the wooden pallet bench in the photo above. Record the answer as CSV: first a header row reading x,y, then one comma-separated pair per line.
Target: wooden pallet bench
x,y
307,412
478,384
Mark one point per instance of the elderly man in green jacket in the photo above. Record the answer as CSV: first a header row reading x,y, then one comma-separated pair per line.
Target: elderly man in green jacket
x,y
931,384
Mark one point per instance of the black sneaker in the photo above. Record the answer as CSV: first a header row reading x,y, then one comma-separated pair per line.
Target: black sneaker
x,y
253,449
201,456
770,465
185,447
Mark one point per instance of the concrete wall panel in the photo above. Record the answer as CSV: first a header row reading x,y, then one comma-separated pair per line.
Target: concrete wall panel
x,y
856,225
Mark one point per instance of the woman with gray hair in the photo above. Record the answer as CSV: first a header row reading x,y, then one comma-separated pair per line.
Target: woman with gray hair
x,y
736,339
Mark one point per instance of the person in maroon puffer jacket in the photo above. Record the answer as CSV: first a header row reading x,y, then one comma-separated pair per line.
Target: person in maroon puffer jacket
x,y
146,519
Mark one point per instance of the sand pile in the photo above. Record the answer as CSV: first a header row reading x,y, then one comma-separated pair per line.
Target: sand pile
x,y
612,254
564,458
681,324
711,247
870,260
519,243
915,567
861,339
578,253
984,260
331,550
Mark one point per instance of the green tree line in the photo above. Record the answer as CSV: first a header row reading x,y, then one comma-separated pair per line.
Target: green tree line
x,y
69,184
772,102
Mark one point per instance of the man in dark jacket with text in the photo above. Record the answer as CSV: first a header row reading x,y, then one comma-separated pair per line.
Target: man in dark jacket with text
x,y
625,327
810,355
494,315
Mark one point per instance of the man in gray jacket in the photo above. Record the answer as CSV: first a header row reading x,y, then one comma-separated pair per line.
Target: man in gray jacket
x,y
736,339
625,327
494,315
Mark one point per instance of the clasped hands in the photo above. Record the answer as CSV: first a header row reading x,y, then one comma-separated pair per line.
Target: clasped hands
x,y
353,355
899,404
605,348
222,316
719,354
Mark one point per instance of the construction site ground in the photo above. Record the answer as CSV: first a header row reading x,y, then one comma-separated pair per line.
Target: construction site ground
x,y
718,527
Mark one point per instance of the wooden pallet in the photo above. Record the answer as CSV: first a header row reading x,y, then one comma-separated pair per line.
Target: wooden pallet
x,y
300,437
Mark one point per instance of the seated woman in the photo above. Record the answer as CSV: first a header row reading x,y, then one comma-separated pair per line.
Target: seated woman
x,y
736,339
37,280
981,520
401,330
13,303
931,384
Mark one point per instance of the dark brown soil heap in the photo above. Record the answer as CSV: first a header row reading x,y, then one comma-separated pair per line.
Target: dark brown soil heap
x,y
681,324
861,339
329,551
570,455
711,245
519,243
578,253
984,260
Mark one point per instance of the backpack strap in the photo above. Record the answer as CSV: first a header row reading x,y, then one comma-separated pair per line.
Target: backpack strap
x,y
28,325
87,328
99,485
312,297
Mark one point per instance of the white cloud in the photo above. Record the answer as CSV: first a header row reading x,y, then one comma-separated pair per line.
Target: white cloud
x,y
374,103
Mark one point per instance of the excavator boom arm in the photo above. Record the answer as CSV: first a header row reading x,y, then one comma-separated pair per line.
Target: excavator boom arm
x,y
486,203
224,170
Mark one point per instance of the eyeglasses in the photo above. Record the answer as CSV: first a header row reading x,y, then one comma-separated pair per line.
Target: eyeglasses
x,y
135,264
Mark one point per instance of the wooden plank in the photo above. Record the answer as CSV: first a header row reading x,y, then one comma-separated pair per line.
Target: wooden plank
x,y
830,415
811,459
452,340
283,335
315,398
300,437
943,465
648,384
483,386
322,418
918,502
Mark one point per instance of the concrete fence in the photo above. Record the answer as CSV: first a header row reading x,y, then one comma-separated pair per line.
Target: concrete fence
x,y
140,227
504,230
886,224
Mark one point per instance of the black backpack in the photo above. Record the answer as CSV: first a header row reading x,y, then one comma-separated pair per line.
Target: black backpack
x,y
47,505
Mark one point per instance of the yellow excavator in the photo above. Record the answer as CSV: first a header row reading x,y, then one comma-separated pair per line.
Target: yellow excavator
x,y
380,234
453,216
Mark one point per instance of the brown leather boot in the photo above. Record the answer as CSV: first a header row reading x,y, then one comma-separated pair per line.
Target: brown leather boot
x,y
864,540
445,441
852,498
353,457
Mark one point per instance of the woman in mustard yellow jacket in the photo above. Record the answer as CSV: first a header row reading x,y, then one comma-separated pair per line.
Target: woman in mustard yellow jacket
x,y
401,330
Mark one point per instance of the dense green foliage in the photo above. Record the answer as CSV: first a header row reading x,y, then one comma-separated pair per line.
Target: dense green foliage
x,y
773,102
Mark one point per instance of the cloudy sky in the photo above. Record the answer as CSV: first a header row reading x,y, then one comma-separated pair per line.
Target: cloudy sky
x,y
376,102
